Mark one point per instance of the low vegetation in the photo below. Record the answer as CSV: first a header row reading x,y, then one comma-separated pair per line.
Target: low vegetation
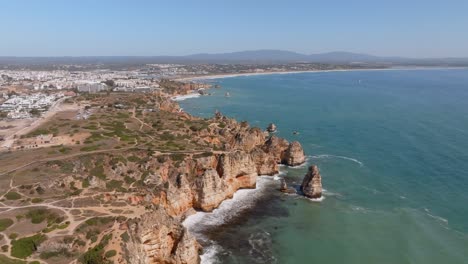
x,y
24,247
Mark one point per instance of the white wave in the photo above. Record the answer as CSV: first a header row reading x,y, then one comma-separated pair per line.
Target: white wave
x,y
210,253
200,221
325,156
184,97
303,165
277,176
317,199
242,199
328,193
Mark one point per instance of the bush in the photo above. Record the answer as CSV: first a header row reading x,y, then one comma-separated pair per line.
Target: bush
x,y
24,247
114,185
5,223
5,248
13,196
37,200
37,216
110,253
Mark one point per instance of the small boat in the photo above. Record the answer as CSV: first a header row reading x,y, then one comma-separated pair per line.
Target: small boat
x,y
227,94
295,133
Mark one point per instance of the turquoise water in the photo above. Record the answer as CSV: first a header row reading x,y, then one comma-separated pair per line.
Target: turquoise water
x,y
392,147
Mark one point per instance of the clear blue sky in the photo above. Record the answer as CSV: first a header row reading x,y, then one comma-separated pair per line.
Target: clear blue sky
x,y
413,28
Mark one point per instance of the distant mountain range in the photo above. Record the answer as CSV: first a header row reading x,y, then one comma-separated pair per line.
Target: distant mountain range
x,y
329,57
252,56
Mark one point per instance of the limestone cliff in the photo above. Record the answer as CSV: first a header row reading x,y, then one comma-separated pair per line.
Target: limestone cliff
x,y
175,185
159,238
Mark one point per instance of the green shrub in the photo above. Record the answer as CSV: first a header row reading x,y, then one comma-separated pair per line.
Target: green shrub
x,y
5,248
37,200
37,216
24,247
13,196
5,223
114,185
110,253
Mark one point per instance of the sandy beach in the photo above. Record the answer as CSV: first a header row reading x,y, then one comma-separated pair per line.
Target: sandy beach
x,y
221,76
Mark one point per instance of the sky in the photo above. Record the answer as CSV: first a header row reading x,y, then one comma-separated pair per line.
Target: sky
x,y
410,28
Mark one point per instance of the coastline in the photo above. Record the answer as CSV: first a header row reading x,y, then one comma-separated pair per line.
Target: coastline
x,y
232,75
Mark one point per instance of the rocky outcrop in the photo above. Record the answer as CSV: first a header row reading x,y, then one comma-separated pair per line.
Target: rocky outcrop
x,y
264,162
283,186
248,140
312,183
276,147
271,128
156,237
294,154
290,154
222,178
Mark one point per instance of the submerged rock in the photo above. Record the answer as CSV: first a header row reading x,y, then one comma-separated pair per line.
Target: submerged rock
x,y
312,183
284,187
294,154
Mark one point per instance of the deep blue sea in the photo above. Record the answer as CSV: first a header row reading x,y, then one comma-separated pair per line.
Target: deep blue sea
x,y
392,148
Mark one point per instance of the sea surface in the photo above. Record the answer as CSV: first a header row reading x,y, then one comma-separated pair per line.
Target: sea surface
x,y
392,148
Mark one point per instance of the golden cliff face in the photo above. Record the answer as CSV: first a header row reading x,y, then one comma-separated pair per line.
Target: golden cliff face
x,y
202,183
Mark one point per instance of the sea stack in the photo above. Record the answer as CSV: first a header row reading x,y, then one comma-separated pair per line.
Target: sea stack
x,y
294,154
312,183
271,128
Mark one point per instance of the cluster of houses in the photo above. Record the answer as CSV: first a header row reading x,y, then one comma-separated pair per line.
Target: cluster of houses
x,y
21,106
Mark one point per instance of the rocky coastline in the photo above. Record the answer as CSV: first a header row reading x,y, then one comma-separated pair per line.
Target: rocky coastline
x,y
202,183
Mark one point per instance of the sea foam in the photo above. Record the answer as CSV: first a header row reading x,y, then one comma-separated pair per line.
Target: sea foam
x,y
184,97
200,222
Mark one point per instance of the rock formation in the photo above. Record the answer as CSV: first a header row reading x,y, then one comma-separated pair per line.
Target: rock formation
x,y
283,186
290,154
271,128
312,183
159,238
294,154
276,147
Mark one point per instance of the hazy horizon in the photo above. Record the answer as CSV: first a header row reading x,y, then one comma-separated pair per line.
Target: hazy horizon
x,y
52,28
229,52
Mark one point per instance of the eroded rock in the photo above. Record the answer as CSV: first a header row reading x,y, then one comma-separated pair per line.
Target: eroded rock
x,y
312,183
294,154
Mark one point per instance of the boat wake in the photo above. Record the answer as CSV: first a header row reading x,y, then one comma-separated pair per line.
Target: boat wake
x,y
438,218
327,156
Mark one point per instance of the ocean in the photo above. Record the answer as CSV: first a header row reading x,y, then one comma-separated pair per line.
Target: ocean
x,y
392,149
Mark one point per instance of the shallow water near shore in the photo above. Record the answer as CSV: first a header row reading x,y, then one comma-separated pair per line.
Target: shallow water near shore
x,y
392,148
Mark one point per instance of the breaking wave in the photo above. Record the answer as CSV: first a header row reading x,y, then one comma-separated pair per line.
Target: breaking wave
x,y
200,222
184,97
